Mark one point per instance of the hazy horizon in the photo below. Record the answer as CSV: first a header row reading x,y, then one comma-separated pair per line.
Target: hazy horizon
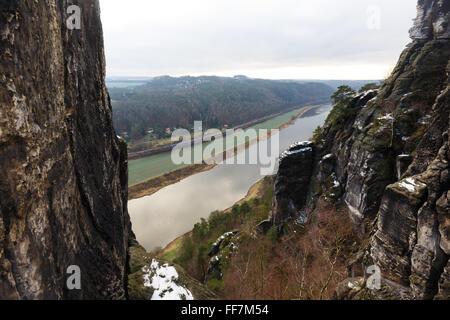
x,y
147,78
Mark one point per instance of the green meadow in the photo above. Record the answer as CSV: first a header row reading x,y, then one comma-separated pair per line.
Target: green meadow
x,y
143,169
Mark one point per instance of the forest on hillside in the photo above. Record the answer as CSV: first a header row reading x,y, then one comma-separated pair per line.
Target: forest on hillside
x,y
168,102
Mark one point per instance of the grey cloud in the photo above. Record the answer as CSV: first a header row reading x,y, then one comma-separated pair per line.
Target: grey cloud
x,y
276,34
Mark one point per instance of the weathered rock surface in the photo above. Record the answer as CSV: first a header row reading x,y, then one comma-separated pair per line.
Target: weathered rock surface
x,y
388,149
221,253
356,289
154,279
63,176
444,284
292,181
433,20
411,236
411,241
215,247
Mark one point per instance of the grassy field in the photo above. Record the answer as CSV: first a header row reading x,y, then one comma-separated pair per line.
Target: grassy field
x,y
143,169
277,121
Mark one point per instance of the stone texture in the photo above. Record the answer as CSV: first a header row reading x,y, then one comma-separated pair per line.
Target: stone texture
x,y
356,289
444,284
390,151
292,182
411,244
443,210
433,20
221,253
63,177
140,260
396,235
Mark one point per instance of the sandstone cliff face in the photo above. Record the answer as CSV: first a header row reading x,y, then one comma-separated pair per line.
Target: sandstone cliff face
x,y
433,20
389,152
63,176
411,240
294,175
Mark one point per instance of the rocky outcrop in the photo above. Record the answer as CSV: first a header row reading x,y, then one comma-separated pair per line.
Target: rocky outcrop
x,y
388,149
444,284
433,20
221,253
409,243
291,182
215,247
356,153
63,177
356,289
155,279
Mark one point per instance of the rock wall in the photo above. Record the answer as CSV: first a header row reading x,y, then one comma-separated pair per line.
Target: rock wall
x,y
433,20
388,150
291,181
411,241
63,177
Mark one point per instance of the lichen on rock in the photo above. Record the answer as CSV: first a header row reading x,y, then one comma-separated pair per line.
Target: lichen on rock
x,y
63,177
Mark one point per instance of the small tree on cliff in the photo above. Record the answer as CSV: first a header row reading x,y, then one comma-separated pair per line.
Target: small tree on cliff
x,y
341,98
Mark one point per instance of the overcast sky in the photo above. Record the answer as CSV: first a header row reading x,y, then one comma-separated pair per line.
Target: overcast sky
x,y
274,39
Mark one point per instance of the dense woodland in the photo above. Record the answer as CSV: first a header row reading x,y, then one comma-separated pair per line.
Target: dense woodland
x,y
168,102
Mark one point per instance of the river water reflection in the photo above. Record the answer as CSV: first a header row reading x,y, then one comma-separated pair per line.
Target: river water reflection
x,y
173,210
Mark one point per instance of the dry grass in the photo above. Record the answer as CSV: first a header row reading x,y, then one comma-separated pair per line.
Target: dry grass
x,y
305,264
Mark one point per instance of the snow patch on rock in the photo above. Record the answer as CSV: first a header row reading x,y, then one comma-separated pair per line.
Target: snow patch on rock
x,y
386,117
298,147
410,184
163,280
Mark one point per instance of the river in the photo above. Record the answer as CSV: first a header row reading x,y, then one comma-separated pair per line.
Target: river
x,y
172,211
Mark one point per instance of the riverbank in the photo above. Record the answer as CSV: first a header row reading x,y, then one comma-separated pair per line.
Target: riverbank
x,y
170,252
143,169
153,185
166,145
174,210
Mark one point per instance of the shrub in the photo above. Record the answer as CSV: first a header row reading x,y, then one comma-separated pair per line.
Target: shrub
x,y
215,285
187,252
317,136
245,208
272,234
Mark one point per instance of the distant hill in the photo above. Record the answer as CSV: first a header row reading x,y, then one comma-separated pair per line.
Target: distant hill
x,y
354,84
125,82
168,102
